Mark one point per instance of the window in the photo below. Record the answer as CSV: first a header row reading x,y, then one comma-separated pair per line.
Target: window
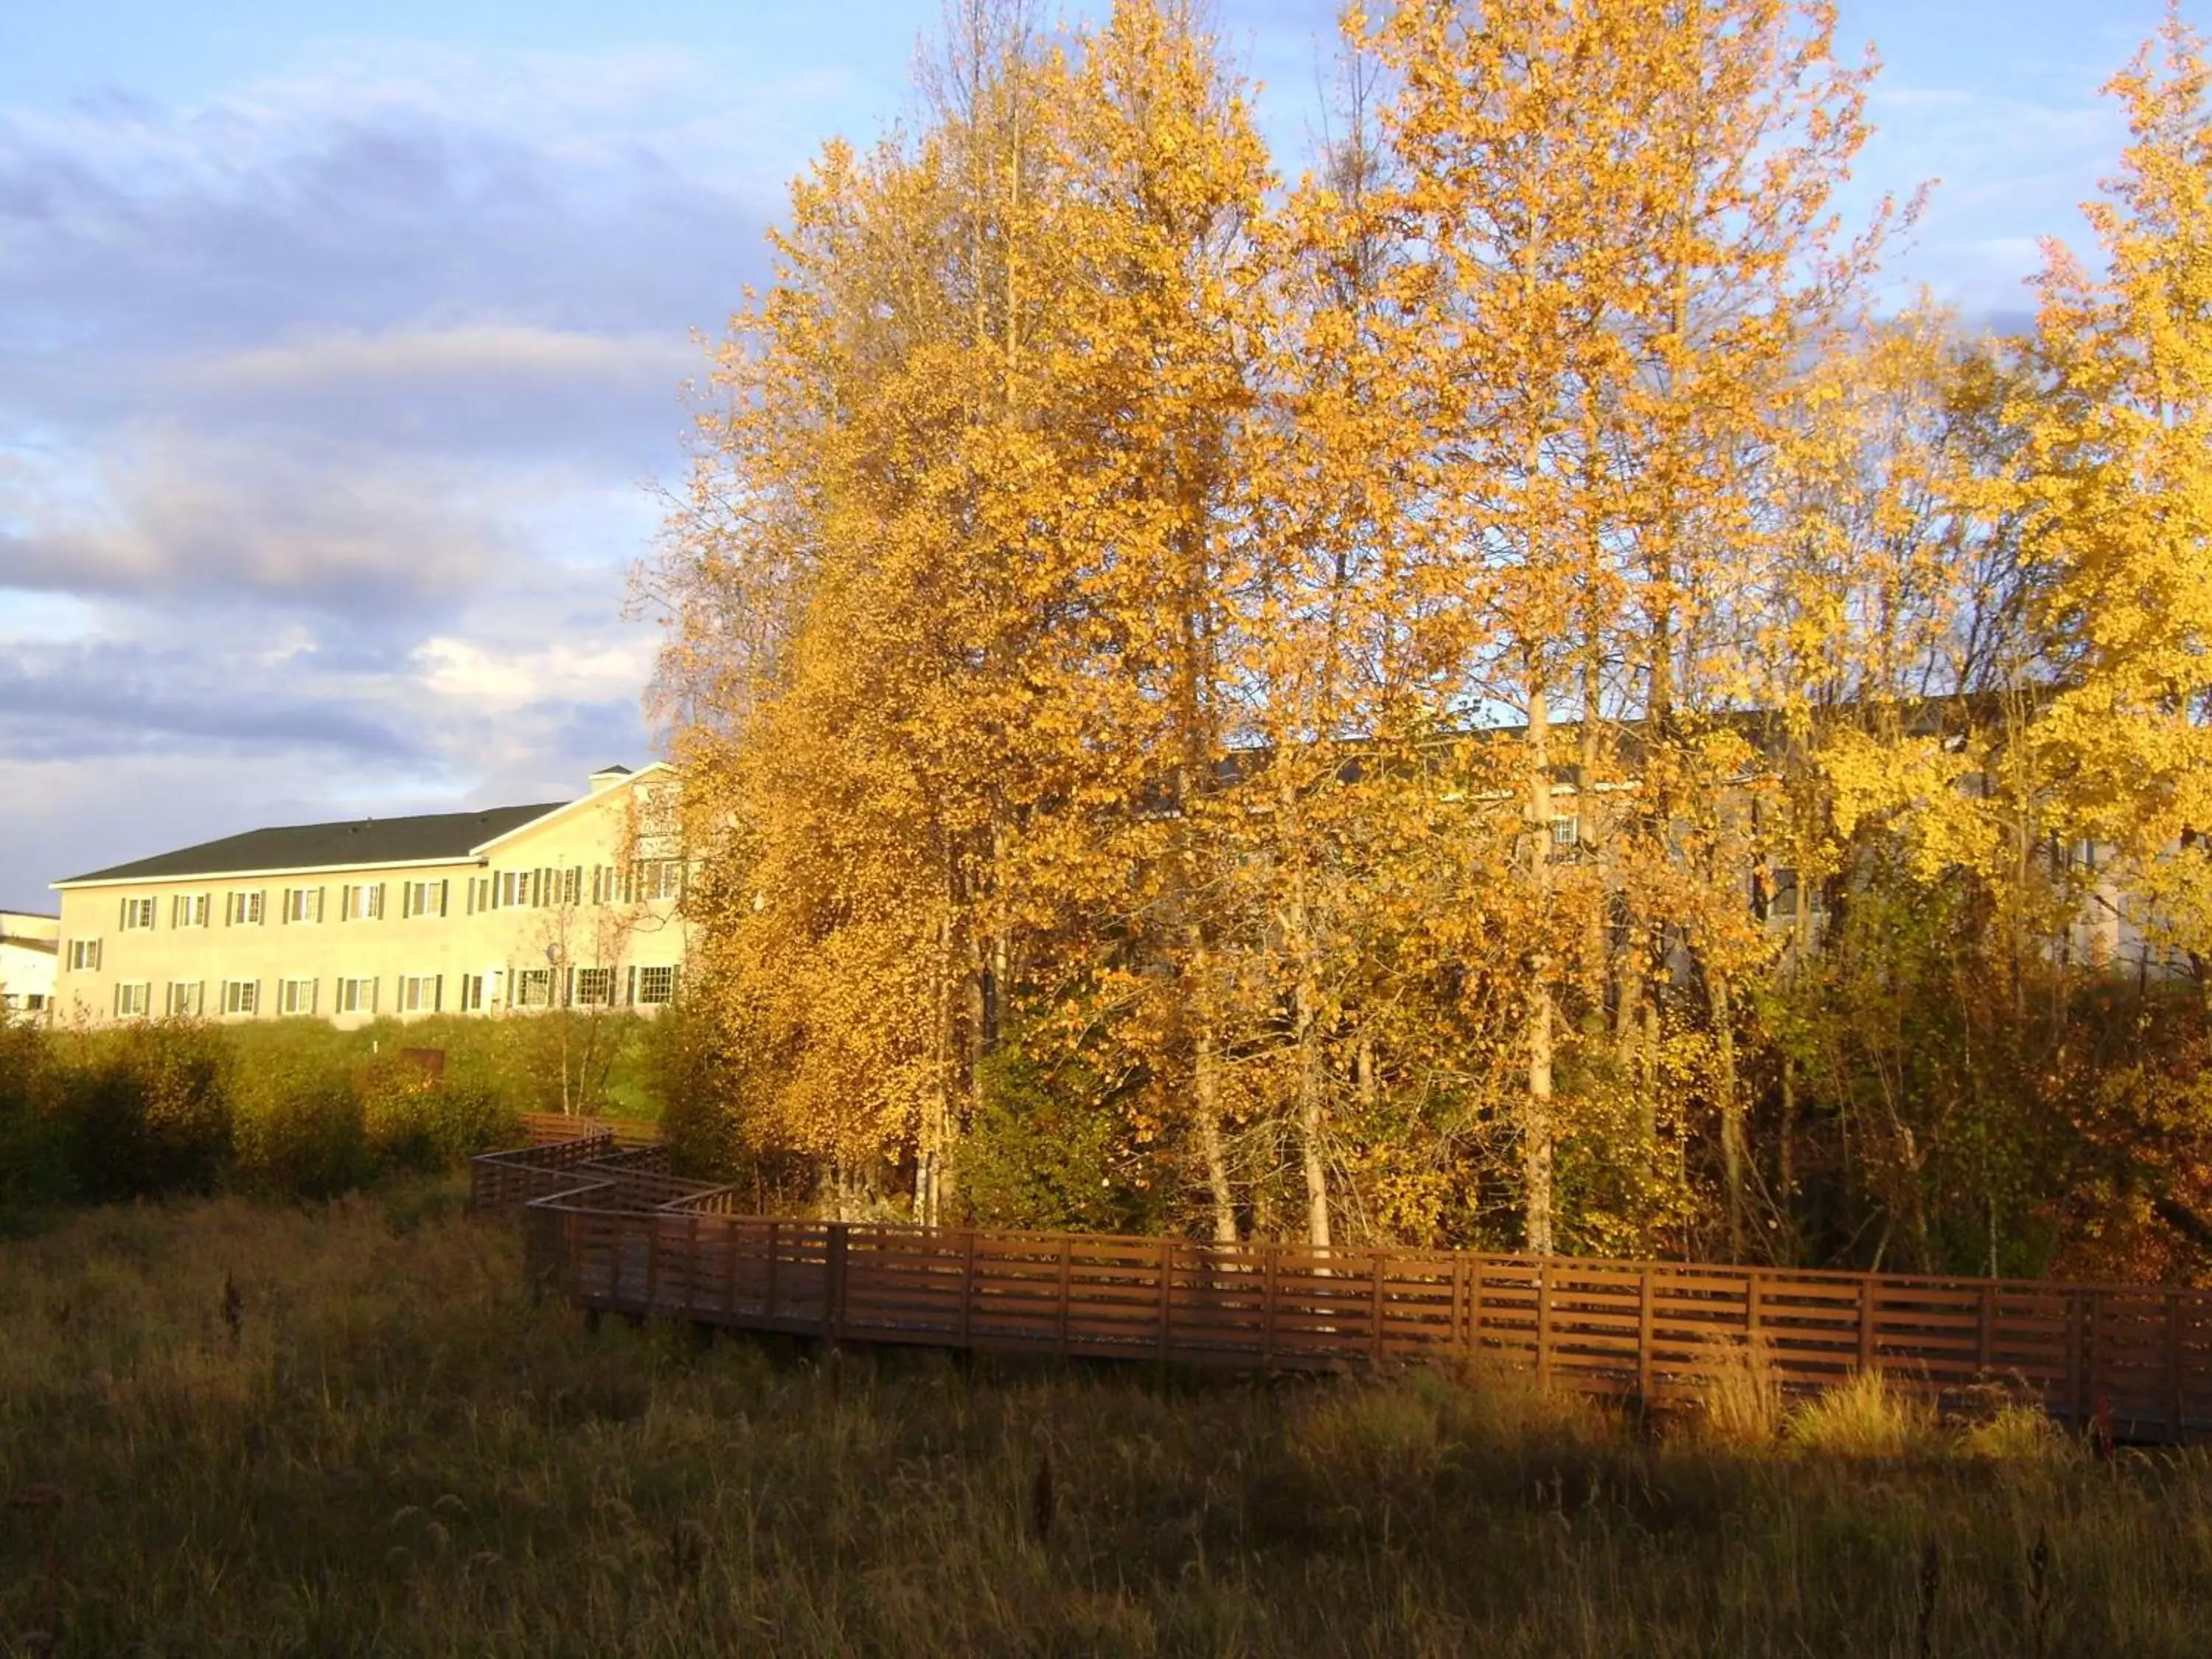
x,y
514,887
1566,830
84,955
533,987
185,995
660,878
572,884
137,913
472,993
356,996
189,910
295,996
244,910
422,898
134,1000
419,992
479,894
361,901
303,904
595,986
241,996
653,986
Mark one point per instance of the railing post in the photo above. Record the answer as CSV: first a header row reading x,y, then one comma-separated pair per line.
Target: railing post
x,y
1544,1322
2173,1353
768,1309
1459,1303
1985,1343
1375,1306
1474,1309
833,1279
2077,1389
1644,1336
2092,1360
1866,1322
731,1239
1267,1305
1066,1248
967,1284
1167,1293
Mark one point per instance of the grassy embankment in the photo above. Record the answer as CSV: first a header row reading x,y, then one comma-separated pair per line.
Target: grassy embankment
x,y
396,1451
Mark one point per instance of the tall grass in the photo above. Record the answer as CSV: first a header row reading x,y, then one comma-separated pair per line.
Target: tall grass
x,y
400,1451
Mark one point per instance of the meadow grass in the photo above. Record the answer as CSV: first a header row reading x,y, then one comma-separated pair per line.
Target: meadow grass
x,y
393,1449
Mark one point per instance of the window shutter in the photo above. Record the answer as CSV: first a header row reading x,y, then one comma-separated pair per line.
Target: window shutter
x,y
442,886
629,995
380,901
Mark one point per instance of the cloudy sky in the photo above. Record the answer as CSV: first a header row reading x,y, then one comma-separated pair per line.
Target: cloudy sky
x,y
343,345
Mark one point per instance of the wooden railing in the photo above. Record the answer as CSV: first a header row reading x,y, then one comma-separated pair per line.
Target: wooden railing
x,y
618,1233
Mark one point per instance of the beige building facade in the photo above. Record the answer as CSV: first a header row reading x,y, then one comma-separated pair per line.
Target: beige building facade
x,y
512,909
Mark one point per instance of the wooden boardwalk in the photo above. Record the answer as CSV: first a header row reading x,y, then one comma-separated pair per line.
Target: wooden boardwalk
x,y
614,1230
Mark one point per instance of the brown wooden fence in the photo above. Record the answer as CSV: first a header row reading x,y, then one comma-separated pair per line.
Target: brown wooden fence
x,y
616,1232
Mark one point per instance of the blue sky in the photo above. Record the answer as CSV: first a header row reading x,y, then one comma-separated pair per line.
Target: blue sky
x,y
341,350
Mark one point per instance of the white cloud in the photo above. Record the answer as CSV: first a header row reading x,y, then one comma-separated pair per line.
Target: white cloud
x,y
579,670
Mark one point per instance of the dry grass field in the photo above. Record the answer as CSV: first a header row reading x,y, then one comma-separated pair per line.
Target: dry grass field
x,y
382,1445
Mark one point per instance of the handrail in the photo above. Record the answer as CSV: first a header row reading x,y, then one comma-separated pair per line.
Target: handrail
x,y
626,1235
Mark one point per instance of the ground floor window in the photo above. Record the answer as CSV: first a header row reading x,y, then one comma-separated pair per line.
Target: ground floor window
x,y
241,996
533,987
356,996
595,986
295,996
472,993
185,997
134,1000
419,993
653,986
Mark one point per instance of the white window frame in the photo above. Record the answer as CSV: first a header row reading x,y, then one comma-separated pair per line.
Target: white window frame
x,y
659,879
245,906
134,998
361,901
188,910
603,977
295,996
188,1005
241,997
472,993
668,981
420,993
137,913
422,898
356,995
303,904
84,955
533,987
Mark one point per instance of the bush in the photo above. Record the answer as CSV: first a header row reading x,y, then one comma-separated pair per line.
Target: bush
x,y
145,1110
298,1128
1046,1150
34,1163
412,1122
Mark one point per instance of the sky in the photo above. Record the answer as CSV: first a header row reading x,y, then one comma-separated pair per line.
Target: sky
x,y
343,349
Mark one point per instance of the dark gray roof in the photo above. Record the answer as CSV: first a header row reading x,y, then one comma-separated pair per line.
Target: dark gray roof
x,y
328,846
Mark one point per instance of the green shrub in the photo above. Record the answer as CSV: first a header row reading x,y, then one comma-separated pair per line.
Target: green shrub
x,y
34,1166
1046,1150
299,1129
145,1110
